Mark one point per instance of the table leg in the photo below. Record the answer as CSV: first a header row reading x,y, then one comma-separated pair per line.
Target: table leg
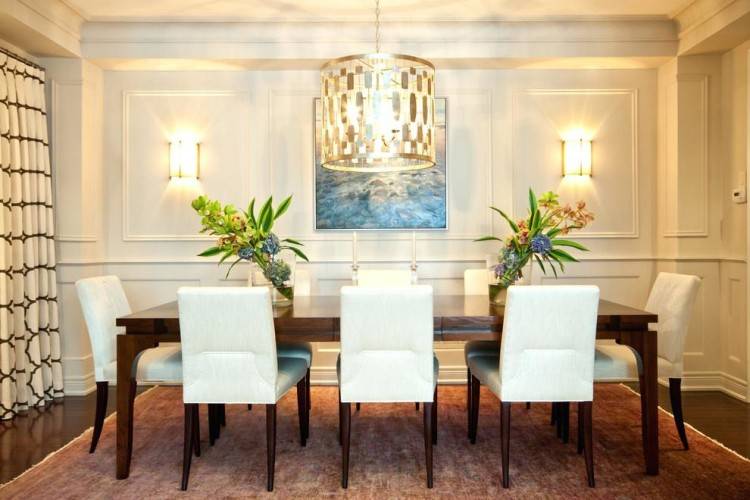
x,y
128,347
645,345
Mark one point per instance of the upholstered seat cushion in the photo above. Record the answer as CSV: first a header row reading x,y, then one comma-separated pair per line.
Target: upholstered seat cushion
x,y
301,350
481,348
618,363
291,371
487,370
435,369
161,364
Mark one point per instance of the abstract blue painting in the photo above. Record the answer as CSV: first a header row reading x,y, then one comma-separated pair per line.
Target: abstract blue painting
x,y
388,200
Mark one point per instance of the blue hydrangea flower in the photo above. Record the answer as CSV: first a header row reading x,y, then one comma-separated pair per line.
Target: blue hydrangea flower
x,y
541,244
278,272
272,245
510,258
499,270
246,253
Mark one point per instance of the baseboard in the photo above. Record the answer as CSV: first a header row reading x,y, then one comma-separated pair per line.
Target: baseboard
x,y
713,381
79,385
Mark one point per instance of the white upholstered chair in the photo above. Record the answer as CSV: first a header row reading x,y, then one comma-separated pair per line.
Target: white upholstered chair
x,y
103,300
546,354
672,298
384,277
229,357
387,356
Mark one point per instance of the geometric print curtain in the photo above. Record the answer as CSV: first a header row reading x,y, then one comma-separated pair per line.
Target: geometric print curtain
x,y
30,367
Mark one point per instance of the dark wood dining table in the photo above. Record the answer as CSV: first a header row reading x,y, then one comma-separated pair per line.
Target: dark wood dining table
x,y
456,317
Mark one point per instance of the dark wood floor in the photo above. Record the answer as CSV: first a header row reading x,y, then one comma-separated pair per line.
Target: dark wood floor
x,y
26,440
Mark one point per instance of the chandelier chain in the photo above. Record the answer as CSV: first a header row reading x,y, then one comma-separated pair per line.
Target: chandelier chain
x,y
377,26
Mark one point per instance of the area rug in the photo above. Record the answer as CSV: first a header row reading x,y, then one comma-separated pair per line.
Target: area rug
x,y
387,456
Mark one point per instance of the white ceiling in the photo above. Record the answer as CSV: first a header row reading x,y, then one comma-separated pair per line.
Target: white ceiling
x,y
362,10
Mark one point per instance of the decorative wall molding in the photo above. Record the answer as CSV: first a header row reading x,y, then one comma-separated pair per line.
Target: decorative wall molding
x,y
634,232
127,95
702,231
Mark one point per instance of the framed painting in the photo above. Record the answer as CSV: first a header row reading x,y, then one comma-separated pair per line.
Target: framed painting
x,y
357,201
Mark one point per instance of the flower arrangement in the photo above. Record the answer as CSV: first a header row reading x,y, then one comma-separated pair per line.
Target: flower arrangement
x,y
242,234
539,237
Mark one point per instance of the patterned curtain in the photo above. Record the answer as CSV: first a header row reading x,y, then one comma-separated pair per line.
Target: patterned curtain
x,y
30,368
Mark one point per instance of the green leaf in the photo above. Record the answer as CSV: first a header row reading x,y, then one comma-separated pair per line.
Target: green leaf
x,y
299,253
557,259
554,232
488,238
562,255
569,243
231,267
532,201
251,213
264,211
512,224
282,208
226,255
210,252
293,242
541,264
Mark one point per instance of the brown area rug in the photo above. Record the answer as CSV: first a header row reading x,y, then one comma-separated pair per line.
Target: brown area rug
x,y
387,456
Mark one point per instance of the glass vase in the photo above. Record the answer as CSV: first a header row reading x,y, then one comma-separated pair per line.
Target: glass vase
x,y
282,294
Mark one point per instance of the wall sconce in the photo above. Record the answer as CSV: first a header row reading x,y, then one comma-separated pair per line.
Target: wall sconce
x,y
184,159
577,156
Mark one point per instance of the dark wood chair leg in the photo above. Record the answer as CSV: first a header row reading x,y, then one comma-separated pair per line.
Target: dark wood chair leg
x,y
474,409
505,441
528,405
428,437
249,407
302,410
187,454
588,450
559,419
341,421
102,391
346,431
417,405
213,424
222,415
307,387
675,397
434,416
579,444
358,406
468,403
565,422
196,431
131,395
271,442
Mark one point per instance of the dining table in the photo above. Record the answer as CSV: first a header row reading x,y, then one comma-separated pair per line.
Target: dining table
x,y
455,318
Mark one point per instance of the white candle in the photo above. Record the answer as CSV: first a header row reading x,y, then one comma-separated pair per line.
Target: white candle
x,y
413,250
354,248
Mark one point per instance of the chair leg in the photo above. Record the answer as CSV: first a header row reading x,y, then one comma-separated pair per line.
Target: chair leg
x,y
428,438
434,416
528,405
271,442
565,407
346,432
468,403
675,397
341,421
505,441
586,408
358,406
474,409
417,406
102,390
213,424
302,409
307,387
559,419
222,415
250,407
187,454
196,431
579,444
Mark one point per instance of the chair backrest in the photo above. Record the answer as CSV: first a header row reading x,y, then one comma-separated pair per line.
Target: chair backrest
x,y
384,277
103,300
672,297
547,347
476,281
228,345
386,344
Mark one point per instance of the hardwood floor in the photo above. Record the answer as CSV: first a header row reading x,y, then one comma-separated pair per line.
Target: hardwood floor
x,y
26,440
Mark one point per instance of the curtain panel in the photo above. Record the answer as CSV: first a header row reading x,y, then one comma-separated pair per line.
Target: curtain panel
x,y
30,367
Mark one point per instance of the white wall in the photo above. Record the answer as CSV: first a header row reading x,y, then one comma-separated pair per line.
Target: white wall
x,y
256,131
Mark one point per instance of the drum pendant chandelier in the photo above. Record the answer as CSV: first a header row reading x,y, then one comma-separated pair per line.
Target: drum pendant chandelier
x,y
378,111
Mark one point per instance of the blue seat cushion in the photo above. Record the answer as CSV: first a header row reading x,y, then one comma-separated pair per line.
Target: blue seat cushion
x,y
300,350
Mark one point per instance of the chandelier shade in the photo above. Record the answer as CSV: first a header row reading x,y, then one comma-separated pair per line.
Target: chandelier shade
x,y
378,113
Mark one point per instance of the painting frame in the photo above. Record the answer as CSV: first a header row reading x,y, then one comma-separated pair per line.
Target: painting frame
x,y
446,191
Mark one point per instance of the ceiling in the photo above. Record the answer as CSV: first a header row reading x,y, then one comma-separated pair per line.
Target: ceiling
x,y
362,10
